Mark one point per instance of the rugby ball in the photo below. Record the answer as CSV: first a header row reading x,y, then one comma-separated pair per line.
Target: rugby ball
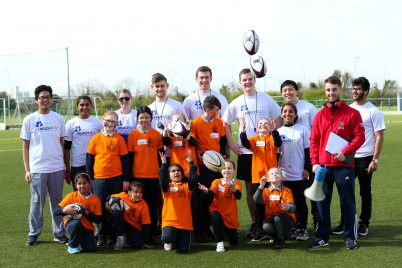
x,y
115,203
80,210
178,128
213,161
251,42
258,66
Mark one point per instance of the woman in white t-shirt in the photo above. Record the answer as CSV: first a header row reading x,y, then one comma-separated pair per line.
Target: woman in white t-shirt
x,y
127,116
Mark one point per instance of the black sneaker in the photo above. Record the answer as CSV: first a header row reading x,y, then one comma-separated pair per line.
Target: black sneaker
x,y
259,235
319,243
363,229
251,231
337,230
62,239
32,240
102,242
279,244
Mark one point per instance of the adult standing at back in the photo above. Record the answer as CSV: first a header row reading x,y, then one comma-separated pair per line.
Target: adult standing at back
x,y
42,135
253,106
336,118
368,155
127,115
193,103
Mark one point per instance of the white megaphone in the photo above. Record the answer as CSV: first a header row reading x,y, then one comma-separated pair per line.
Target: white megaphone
x,y
315,192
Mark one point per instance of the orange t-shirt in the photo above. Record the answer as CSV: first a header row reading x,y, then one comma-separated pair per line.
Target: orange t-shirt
x,y
176,210
264,156
135,213
107,151
178,154
225,202
207,134
273,199
92,203
146,148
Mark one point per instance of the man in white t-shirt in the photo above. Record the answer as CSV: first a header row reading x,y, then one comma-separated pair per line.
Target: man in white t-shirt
x,y
253,106
42,135
193,103
368,155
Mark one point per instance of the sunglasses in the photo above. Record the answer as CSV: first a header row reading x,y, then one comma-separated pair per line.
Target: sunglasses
x,y
124,98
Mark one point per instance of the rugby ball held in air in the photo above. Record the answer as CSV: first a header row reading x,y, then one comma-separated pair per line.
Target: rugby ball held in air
x,y
251,43
213,161
178,128
258,66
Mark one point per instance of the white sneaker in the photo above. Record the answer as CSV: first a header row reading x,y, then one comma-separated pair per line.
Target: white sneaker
x,y
220,247
119,243
167,246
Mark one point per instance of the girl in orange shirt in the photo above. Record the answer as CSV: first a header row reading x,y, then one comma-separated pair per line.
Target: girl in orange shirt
x,y
279,207
177,223
80,227
224,212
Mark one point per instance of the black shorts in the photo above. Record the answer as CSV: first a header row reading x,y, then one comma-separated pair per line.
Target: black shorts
x,y
244,162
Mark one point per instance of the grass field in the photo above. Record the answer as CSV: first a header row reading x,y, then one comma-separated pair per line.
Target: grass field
x,y
382,246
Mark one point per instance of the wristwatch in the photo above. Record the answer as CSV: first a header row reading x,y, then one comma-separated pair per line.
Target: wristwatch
x,y
375,161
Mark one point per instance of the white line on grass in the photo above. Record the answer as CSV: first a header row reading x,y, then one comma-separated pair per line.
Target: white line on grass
x,y
10,150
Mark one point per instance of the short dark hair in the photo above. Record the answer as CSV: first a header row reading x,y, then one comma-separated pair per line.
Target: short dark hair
x,y
361,81
294,108
136,184
84,97
245,71
144,109
158,77
84,176
231,161
41,88
289,83
210,102
203,69
333,80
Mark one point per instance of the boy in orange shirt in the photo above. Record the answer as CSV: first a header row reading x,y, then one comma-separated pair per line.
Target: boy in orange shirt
x,y
133,219
224,212
176,214
209,131
80,229
279,207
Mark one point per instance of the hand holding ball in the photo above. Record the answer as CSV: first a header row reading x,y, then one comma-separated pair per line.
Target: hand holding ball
x,y
178,128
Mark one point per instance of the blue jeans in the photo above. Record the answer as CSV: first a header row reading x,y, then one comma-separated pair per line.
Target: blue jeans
x,y
180,237
79,235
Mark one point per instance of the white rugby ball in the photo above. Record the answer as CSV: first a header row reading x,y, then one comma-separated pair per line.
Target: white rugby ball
x,y
80,210
258,66
178,129
213,161
116,203
251,42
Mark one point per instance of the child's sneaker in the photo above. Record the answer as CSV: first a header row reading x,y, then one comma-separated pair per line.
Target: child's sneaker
x,y
319,243
294,233
220,247
73,250
62,239
32,240
351,244
337,230
363,229
167,246
279,244
119,243
302,235
251,231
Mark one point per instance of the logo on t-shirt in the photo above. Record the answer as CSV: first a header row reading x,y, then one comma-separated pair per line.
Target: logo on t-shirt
x,y
243,108
77,129
42,127
198,105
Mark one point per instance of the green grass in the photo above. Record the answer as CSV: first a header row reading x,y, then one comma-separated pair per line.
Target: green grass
x,y
382,247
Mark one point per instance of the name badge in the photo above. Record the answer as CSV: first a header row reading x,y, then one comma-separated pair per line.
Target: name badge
x,y
221,188
142,142
125,206
214,135
178,143
174,189
260,143
275,197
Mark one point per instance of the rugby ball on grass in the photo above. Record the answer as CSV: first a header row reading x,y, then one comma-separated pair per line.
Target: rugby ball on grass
x,y
80,210
213,161
258,66
251,42
178,128
115,203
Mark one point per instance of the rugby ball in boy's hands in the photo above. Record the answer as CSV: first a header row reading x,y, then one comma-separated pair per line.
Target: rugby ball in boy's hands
x,y
178,128
213,161
258,66
115,203
251,42
80,210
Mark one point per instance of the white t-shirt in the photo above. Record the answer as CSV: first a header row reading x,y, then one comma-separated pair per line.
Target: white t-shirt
x,y
306,112
80,132
252,108
373,121
294,140
43,131
127,123
193,103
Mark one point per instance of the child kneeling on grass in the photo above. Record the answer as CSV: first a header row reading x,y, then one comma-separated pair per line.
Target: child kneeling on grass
x,y
279,207
80,229
133,219
177,223
224,212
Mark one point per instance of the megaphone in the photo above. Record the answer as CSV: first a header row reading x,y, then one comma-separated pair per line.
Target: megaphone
x,y
315,192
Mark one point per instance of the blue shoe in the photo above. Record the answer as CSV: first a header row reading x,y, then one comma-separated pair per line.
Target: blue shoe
x,y
351,244
32,240
319,243
73,250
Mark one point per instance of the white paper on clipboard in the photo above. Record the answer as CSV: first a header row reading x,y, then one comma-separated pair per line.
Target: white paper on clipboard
x,y
335,143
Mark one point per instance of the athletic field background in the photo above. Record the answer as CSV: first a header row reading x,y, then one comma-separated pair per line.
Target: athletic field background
x,y
381,248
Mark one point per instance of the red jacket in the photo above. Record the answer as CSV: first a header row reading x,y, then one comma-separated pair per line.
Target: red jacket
x,y
344,121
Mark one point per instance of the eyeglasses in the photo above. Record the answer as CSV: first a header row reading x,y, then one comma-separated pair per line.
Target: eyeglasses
x,y
44,98
110,121
124,98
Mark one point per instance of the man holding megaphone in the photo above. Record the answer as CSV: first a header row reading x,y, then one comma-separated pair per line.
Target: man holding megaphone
x,y
336,125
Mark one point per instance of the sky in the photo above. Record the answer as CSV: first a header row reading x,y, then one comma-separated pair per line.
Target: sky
x,y
109,41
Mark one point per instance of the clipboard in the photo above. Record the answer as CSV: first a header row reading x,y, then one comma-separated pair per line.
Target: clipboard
x,y
336,144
